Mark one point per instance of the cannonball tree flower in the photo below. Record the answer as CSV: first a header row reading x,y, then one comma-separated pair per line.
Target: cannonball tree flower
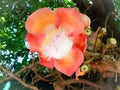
x,y
58,36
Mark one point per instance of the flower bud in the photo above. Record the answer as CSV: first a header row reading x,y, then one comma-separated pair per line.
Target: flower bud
x,y
84,68
102,32
111,42
88,31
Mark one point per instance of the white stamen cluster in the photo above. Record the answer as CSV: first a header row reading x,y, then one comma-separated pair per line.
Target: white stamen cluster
x,y
56,45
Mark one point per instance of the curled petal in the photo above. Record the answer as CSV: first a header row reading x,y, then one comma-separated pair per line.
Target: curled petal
x,y
41,21
80,41
46,62
34,41
79,73
70,62
71,20
87,20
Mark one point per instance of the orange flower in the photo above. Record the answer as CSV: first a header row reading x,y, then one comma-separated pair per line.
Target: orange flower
x,y
58,36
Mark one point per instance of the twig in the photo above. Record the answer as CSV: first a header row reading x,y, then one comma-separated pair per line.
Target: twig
x,y
23,69
5,79
64,82
118,17
106,20
88,8
17,73
39,77
104,66
84,82
19,80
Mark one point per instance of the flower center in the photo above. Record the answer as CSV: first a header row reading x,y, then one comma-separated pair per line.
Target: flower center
x,y
56,45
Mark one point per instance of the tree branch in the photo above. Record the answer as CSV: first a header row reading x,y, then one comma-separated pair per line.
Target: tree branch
x,y
19,80
71,81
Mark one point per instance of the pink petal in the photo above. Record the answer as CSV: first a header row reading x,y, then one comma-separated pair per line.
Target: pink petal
x,y
41,21
80,41
45,62
34,41
70,20
68,64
